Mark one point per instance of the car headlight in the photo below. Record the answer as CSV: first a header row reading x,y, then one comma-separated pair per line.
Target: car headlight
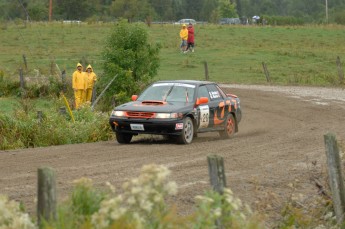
x,y
166,115
118,113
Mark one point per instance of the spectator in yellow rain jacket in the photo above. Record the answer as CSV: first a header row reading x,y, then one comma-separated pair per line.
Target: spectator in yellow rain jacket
x,y
184,37
91,79
79,84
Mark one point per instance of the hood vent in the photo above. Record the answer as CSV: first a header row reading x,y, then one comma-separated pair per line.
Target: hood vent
x,y
153,102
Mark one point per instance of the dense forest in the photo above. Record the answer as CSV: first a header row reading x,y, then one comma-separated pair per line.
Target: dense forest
x,y
308,11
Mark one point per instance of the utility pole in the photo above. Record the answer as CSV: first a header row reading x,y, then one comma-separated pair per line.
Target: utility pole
x,y
326,11
51,10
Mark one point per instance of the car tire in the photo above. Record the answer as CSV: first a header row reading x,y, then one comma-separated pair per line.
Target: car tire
x,y
229,127
123,138
187,134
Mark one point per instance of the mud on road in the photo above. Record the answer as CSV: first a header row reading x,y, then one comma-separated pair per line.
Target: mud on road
x,y
280,142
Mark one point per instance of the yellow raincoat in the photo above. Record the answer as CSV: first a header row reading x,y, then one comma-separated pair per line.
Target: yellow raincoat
x,y
91,79
79,84
184,33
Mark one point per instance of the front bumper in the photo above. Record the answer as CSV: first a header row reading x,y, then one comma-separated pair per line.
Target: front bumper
x,y
150,126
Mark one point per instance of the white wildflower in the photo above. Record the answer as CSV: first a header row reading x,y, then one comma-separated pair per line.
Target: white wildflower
x,y
146,205
110,186
131,200
229,199
84,181
242,216
235,206
217,212
204,199
227,191
328,216
136,190
157,198
135,181
12,217
171,188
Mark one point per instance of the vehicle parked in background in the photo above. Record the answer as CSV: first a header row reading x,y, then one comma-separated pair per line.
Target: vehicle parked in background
x,y
230,21
179,109
185,21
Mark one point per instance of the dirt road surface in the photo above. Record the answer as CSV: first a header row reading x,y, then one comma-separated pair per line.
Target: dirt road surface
x,y
280,142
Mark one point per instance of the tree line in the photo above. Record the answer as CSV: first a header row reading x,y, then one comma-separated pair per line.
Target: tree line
x,y
309,11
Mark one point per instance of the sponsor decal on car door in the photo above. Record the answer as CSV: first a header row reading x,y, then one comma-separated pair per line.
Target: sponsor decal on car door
x,y
204,116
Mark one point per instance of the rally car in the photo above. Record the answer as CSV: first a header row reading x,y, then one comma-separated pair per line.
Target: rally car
x,y
179,109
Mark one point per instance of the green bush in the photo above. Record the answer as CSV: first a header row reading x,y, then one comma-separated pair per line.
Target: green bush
x,y
128,54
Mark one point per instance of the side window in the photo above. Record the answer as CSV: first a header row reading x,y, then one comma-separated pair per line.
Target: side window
x,y
203,92
214,93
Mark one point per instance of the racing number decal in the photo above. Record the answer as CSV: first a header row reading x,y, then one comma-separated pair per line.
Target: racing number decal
x,y
204,116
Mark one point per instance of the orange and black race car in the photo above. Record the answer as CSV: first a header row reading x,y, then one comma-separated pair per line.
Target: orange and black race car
x,y
180,109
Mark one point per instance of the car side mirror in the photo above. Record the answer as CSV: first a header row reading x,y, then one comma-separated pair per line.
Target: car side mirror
x,y
201,100
134,97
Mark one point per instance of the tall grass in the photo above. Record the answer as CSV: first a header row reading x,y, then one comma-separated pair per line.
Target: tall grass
x,y
22,129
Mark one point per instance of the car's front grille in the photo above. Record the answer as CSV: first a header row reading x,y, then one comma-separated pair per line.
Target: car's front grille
x,y
133,114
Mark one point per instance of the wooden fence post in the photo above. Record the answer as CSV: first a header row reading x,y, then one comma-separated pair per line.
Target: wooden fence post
x,y
46,197
335,176
340,71
206,71
39,116
267,74
94,94
217,173
63,79
62,111
21,78
25,63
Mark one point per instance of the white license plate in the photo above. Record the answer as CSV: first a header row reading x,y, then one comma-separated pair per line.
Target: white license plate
x,y
137,127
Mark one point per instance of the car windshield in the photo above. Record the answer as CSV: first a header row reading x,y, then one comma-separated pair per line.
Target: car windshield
x,y
169,92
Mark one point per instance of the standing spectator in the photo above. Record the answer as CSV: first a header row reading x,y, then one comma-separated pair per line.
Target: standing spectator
x,y
184,37
190,39
91,79
79,85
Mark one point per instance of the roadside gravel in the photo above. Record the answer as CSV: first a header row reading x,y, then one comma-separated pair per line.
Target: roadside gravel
x,y
317,95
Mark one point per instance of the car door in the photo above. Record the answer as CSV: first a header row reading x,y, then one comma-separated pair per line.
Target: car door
x,y
203,109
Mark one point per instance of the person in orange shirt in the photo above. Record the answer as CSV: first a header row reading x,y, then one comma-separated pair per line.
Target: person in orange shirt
x,y
91,79
79,84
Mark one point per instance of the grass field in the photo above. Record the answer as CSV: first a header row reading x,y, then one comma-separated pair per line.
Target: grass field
x,y
294,55
8,105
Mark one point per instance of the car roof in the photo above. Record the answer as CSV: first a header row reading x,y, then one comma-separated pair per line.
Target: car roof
x,y
195,82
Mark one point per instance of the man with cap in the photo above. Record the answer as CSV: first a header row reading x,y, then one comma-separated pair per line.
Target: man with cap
x,y
79,84
184,37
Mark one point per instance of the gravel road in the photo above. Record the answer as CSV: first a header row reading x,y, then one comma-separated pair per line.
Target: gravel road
x,y
279,143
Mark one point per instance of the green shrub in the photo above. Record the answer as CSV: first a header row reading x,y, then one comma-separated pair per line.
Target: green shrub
x,y
128,54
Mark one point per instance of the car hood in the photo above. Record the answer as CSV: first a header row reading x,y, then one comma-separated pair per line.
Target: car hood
x,y
155,106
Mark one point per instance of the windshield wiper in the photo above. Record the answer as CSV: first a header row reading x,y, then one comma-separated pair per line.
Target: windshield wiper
x,y
168,93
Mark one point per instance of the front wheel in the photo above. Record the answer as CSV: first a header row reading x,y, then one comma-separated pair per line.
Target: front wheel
x,y
229,128
187,134
123,138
